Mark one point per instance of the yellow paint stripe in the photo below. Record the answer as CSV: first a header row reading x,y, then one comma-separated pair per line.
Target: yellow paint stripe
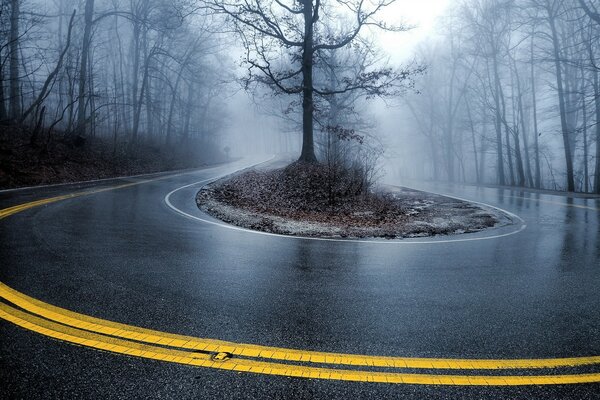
x,y
22,207
124,331
114,345
98,328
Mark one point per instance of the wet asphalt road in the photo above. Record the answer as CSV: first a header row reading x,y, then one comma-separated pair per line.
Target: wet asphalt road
x,y
124,255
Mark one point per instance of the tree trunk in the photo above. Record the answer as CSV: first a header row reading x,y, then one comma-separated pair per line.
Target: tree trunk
x,y
139,102
182,67
562,107
308,147
507,137
538,178
523,127
498,124
586,172
83,69
448,137
135,80
122,109
15,81
474,142
3,111
148,92
597,104
188,114
516,132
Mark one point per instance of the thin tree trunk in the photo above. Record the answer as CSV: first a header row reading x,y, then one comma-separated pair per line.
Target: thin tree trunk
x,y
135,80
597,104
124,120
586,172
92,100
472,126
186,60
3,110
507,138
188,114
45,91
498,124
148,92
519,120
523,128
538,177
139,100
15,80
83,69
562,106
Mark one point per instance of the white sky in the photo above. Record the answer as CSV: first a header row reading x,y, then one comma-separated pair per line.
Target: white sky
x,y
422,13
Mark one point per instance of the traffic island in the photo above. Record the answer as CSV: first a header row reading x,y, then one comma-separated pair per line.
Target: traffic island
x,y
303,200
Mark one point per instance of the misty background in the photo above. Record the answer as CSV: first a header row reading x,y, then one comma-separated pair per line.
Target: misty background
x,y
504,92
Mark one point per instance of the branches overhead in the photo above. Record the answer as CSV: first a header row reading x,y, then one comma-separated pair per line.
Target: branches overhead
x,y
284,40
274,31
591,10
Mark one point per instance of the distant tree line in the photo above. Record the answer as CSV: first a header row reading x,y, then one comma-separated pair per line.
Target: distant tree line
x,y
128,70
509,82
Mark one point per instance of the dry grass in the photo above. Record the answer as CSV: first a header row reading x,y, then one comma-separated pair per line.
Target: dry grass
x,y
295,200
55,160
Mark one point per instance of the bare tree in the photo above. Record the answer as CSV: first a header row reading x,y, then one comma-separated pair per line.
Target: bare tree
x,y
591,10
296,31
14,48
83,70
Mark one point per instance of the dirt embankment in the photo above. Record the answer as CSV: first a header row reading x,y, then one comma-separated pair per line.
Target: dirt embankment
x,y
52,159
295,201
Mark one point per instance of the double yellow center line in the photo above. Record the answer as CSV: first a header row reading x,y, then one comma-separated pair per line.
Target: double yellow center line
x,y
114,337
83,330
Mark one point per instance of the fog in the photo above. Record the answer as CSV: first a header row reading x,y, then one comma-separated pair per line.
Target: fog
x,y
488,92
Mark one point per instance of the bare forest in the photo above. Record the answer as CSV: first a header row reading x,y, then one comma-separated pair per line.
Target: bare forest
x,y
512,95
499,92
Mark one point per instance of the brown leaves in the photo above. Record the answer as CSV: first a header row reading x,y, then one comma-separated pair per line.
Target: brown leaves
x,y
299,193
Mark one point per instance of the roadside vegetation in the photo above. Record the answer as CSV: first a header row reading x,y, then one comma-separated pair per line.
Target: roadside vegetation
x,y
299,200
55,159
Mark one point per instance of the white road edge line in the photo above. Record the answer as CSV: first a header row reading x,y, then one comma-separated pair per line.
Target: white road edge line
x,y
167,200
176,172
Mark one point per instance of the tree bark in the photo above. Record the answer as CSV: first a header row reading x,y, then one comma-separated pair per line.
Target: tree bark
x,y
3,110
15,80
538,178
507,137
586,172
518,120
473,142
597,104
561,102
498,124
135,79
308,147
83,69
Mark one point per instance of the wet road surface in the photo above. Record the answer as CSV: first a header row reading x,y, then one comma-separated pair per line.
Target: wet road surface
x,y
124,255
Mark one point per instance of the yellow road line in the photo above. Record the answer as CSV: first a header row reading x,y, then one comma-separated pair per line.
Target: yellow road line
x,y
92,332
22,207
120,346
124,331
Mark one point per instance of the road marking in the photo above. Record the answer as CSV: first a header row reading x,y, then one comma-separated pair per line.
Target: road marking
x,y
92,181
406,241
119,338
97,326
22,207
26,206
130,348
